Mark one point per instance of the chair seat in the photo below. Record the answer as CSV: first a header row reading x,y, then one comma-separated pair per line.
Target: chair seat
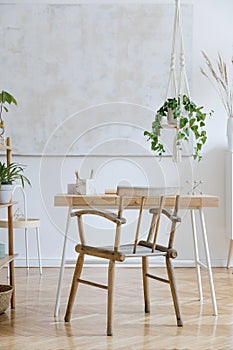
x,y
21,223
127,250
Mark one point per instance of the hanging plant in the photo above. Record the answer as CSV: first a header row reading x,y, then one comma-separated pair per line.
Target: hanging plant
x,y
190,119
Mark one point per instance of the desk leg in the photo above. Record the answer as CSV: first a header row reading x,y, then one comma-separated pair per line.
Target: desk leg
x,y
196,254
203,226
58,297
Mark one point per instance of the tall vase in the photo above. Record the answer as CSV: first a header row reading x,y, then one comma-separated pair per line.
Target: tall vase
x,y
230,134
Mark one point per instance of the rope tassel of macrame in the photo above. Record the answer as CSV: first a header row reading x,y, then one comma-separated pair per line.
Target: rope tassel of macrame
x,y
183,87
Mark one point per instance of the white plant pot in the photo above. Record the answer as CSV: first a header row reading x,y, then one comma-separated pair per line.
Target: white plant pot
x,y
170,117
6,193
230,133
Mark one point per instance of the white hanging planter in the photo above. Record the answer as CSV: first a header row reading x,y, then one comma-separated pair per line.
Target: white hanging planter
x,y
170,117
6,193
230,133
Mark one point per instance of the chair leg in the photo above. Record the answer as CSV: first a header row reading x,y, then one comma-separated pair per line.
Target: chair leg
x,y
38,249
26,248
171,277
111,279
145,283
74,287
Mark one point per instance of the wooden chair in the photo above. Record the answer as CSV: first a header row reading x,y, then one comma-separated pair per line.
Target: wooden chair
x,y
143,248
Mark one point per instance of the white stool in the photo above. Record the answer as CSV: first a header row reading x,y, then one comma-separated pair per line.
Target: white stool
x,y
25,223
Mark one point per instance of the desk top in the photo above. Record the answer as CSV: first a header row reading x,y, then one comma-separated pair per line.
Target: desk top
x,y
112,201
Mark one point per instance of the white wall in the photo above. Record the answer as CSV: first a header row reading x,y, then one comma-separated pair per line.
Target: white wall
x,y
212,32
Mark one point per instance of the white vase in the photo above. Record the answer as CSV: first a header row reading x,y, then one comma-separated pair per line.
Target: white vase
x,y
230,133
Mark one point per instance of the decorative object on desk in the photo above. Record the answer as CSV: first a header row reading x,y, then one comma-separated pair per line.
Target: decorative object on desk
x,y
9,173
2,250
194,187
77,175
221,77
5,98
85,186
71,189
5,297
179,110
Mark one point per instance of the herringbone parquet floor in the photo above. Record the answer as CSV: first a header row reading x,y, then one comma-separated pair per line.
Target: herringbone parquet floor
x,y
32,325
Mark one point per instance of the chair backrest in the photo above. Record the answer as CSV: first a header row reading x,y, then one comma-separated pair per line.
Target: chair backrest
x,y
153,198
150,197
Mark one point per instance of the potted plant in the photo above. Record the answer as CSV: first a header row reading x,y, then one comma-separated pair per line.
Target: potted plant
x,y
5,99
9,173
187,117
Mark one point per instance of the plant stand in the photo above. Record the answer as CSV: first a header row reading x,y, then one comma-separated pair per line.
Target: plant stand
x,y
9,258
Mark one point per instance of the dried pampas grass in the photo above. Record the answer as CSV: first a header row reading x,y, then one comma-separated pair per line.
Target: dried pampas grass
x,y
222,81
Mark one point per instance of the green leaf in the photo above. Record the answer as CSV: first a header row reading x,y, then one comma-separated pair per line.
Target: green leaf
x,y
183,122
192,121
204,139
12,172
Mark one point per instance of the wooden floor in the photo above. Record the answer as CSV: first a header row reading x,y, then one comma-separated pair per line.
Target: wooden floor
x,y
32,325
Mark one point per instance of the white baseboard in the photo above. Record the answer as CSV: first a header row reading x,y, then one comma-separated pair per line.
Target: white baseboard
x,y
132,262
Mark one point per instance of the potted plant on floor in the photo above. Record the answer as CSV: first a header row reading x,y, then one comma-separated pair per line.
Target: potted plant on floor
x,y
9,173
5,99
186,117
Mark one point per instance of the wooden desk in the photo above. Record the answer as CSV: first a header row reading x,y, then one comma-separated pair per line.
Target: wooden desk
x,y
192,203
112,201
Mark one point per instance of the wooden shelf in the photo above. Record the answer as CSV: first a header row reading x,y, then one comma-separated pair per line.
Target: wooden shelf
x,y
7,259
7,204
9,148
169,126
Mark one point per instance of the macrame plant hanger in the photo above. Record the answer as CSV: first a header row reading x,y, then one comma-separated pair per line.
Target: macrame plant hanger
x,y
178,87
